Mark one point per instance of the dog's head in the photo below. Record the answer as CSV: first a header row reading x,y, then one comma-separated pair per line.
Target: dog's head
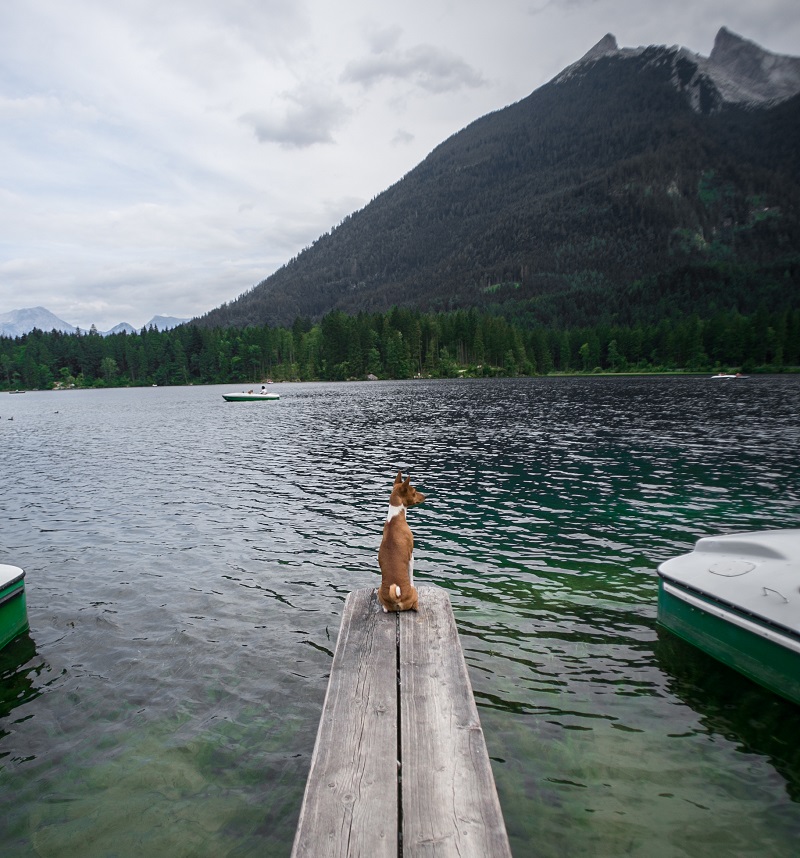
x,y
404,493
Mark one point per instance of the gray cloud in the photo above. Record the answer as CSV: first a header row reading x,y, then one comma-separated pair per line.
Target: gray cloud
x,y
306,119
181,27
430,68
384,39
402,138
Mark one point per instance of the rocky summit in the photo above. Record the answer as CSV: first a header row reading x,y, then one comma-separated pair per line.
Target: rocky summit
x,y
737,71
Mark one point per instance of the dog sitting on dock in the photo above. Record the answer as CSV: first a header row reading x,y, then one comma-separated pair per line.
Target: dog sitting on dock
x,y
396,554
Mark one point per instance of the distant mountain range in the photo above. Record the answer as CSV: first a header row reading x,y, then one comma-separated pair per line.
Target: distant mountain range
x,y
20,322
639,183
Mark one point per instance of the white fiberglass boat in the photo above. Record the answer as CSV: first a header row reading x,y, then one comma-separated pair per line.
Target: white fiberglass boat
x,y
250,396
737,598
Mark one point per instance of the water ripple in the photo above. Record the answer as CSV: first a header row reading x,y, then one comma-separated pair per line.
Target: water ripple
x,y
187,561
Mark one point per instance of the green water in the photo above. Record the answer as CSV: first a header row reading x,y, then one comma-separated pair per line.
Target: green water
x,y
187,562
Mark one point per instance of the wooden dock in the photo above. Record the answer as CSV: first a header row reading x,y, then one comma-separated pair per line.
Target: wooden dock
x,y
400,766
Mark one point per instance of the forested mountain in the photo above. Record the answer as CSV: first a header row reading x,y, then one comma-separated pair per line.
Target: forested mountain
x,y
639,184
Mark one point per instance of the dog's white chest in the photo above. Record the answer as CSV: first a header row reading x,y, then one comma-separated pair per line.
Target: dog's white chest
x,y
394,511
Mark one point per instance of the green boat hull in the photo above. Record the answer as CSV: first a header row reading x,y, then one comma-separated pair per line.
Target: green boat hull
x,y
764,654
250,397
13,611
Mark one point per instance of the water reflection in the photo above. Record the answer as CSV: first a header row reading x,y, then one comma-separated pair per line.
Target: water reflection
x,y
20,668
731,706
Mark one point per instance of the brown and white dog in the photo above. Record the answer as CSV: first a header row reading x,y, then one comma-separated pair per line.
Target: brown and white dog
x,y
396,554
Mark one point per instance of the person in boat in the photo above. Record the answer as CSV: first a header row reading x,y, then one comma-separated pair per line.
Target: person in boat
x,y
263,388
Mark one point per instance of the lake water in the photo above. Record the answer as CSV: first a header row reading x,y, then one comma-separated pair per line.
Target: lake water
x,y
188,559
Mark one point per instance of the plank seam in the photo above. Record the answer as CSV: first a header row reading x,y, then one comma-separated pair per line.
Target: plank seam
x,y
399,743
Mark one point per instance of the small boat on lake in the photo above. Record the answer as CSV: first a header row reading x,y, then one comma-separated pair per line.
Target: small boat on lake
x,y
13,608
250,396
737,598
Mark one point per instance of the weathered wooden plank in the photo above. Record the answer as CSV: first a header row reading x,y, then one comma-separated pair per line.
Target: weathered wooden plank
x,y
450,804
449,800
350,803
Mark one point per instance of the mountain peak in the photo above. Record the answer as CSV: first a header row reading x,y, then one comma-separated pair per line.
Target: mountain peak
x,y
17,323
165,323
729,46
738,71
607,45
746,72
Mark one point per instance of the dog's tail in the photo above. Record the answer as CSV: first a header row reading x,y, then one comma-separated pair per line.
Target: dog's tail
x,y
394,592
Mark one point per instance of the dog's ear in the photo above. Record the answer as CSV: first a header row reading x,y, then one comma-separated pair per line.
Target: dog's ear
x,y
398,478
407,483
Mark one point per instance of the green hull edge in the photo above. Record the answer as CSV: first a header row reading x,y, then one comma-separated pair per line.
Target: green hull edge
x,y
13,613
763,661
251,398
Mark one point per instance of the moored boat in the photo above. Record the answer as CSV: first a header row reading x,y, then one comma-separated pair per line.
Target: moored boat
x,y
250,396
737,598
13,607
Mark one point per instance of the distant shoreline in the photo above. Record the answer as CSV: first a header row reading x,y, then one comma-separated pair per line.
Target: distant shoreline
x,y
788,371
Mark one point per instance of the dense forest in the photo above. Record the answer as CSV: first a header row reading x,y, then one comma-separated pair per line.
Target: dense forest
x,y
602,197
401,343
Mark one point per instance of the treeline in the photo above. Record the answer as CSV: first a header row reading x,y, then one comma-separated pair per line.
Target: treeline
x,y
402,343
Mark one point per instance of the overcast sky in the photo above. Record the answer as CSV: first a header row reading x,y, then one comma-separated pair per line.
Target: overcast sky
x,y
163,156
